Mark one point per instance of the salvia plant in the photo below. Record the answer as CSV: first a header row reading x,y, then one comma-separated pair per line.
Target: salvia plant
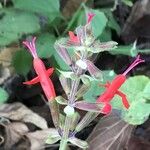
x,y
77,52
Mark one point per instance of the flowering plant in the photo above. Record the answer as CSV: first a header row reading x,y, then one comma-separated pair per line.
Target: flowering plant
x,y
77,51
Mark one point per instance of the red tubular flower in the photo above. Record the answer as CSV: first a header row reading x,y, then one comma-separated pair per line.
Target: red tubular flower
x,y
113,89
43,74
90,17
73,38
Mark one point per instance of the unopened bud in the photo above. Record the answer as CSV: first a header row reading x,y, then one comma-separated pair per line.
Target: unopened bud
x,y
69,111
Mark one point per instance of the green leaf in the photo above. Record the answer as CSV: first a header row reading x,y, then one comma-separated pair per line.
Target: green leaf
x,y
68,74
3,95
128,2
22,61
80,143
61,100
125,50
146,92
99,22
45,45
106,35
59,63
47,8
112,23
15,23
53,137
134,88
138,113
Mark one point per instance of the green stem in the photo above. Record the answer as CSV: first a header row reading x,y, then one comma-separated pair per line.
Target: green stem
x,y
64,140
144,51
71,100
63,144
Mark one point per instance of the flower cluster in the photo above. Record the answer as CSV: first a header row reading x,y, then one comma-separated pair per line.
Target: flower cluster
x,y
77,52
84,45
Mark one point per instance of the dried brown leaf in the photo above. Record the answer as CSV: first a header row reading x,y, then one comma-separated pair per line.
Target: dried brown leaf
x,y
13,132
20,112
39,138
111,133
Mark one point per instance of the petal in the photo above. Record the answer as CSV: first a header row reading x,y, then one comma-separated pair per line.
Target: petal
x,y
36,79
33,81
50,71
124,99
73,38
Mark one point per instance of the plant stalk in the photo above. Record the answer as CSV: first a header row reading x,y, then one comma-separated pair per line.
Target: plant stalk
x,y
68,120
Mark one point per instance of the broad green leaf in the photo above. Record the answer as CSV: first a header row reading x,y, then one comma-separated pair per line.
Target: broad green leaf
x,y
47,8
45,45
99,22
15,23
146,92
106,35
112,23
95,90
22,61
3,95
138,113
81,18
135,89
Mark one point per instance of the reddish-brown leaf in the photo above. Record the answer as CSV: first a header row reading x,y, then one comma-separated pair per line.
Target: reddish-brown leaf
x,y
111,133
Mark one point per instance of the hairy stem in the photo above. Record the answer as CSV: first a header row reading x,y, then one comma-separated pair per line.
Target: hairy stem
x,y
68,120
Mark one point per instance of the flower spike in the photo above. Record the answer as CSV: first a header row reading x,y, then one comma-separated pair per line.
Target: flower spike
x,y
135,63
31,46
